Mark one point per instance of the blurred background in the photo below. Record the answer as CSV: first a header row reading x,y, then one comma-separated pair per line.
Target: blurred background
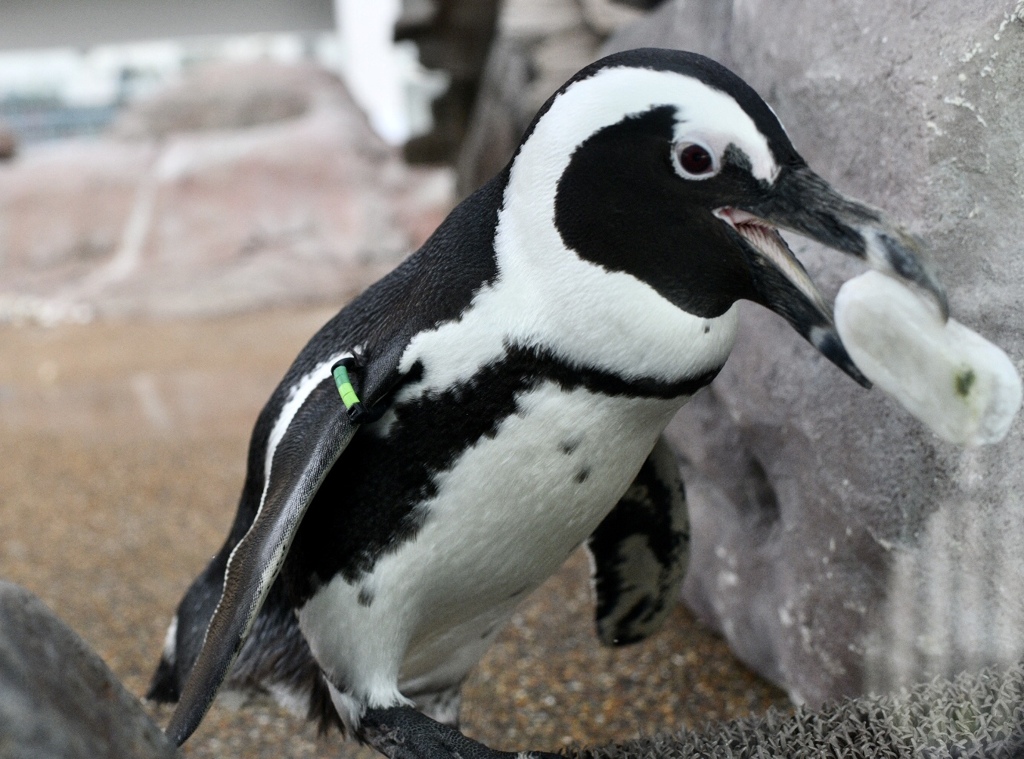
x,y
188,190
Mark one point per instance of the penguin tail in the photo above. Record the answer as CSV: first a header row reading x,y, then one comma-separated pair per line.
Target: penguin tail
x,y
322,711
163,687
275,659
186,633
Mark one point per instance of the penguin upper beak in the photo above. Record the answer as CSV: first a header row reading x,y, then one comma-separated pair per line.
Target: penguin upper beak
x,y
805,203
802,202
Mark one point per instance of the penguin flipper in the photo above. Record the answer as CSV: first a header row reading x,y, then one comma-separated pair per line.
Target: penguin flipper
x,y
640,552
313,440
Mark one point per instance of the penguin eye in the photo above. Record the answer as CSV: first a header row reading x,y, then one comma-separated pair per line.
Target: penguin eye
x,y
694,160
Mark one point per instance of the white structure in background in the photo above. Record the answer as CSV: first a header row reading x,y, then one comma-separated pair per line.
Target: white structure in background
x,y
52,93
98,75
385,78
107,74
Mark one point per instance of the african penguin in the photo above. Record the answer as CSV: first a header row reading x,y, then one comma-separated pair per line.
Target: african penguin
x,y
503,396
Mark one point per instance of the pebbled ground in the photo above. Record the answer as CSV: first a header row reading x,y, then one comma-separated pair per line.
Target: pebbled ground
x,y
122,449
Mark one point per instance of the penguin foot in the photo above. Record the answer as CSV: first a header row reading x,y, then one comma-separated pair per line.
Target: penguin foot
x,y
401,732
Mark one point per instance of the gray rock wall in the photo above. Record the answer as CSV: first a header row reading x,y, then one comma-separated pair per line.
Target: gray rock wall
x,y
58,700
839,546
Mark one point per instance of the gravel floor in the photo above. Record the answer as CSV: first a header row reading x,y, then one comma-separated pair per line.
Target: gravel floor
x,y
123,451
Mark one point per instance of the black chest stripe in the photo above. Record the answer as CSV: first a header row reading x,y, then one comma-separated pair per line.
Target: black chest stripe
x,y
433,286
366,507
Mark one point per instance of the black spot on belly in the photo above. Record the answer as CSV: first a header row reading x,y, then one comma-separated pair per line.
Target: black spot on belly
x,y
569,445
583,474
707,328
365,597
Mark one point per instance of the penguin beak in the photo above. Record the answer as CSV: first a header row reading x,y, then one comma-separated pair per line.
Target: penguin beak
x,y
782,284
802,202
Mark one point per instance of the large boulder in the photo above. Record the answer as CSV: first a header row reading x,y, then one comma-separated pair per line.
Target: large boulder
x,y
58,700
838,545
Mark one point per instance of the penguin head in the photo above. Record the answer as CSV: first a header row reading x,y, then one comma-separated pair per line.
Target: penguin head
x,y
666,166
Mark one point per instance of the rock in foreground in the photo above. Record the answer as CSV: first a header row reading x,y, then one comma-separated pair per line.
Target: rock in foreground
x,y
58,700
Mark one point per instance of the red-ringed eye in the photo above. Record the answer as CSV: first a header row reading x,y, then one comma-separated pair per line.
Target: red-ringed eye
x,y
695,159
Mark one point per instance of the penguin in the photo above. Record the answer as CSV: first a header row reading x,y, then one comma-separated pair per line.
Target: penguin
x,y
443,443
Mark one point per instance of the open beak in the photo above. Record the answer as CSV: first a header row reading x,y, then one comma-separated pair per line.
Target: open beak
x,y
802,202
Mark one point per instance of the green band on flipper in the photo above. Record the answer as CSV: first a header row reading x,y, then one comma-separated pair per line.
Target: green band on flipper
x,y
345,389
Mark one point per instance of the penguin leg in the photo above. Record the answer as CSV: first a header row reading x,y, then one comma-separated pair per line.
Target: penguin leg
x,y
640,552
401,732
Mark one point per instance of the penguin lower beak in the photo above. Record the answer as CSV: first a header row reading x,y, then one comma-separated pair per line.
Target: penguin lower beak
x,y
802,202
782,284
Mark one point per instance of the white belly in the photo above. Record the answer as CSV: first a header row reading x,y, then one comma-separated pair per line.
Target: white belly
x,y
506,516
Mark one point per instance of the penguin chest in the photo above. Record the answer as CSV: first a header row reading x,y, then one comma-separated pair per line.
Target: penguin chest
x,y
501,518
514,505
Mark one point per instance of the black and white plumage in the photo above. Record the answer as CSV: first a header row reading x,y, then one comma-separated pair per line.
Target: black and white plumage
x,y
521,367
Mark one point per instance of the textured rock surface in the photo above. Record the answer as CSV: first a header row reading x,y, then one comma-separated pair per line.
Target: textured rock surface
x,y
57,698
839,546
216,207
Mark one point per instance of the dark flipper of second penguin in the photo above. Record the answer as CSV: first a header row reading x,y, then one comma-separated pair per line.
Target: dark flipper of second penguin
x,y
640,552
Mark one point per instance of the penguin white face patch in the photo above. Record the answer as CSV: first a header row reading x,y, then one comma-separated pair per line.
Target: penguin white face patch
x,y
704,116
548,294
